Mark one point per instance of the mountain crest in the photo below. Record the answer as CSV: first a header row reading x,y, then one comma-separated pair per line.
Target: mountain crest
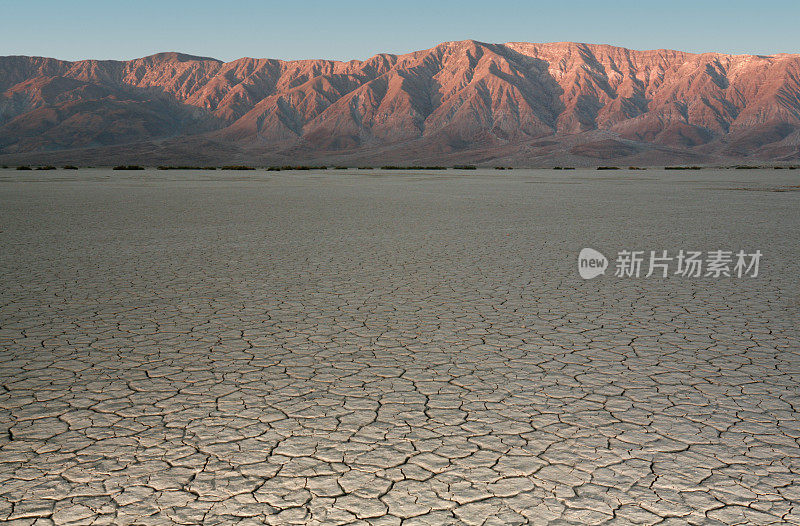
x,y
458,99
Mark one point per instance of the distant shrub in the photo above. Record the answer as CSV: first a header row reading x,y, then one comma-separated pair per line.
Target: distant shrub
x,y
608,167
128,167
23,168
340,167
46,167
746,167
187,168
237,167
5,166
636,168
365,167
290,168
682,167
69,167
465,167
413,167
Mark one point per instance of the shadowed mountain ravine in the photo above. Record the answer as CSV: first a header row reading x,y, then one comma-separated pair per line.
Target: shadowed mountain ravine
x,y
517,103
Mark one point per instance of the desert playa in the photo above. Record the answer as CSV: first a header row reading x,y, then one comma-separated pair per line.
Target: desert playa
x,y
374,347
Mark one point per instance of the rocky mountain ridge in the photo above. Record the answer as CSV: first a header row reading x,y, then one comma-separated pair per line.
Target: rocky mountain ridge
x,y
518,103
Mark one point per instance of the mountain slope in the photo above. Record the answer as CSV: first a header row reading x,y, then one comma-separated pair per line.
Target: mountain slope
x,y
521,102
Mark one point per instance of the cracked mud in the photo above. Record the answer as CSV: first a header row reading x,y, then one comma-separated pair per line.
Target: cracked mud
x,y
340,348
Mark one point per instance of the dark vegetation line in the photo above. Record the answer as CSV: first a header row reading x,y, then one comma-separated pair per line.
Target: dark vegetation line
x,y
187,168
413,168
390,167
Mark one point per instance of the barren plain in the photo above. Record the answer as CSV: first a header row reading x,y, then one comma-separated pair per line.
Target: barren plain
x,y
373,347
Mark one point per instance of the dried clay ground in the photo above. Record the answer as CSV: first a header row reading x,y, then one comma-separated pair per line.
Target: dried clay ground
x,y
361,347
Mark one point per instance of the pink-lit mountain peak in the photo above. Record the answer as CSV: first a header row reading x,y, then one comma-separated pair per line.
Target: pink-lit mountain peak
x,y
455,97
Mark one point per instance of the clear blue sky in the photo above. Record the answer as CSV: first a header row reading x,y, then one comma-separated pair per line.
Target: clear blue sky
x,y
229,29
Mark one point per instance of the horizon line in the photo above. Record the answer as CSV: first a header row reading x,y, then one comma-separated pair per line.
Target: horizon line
x,y
397,54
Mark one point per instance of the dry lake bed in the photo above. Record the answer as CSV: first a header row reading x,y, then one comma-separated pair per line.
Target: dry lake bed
x,y
376,347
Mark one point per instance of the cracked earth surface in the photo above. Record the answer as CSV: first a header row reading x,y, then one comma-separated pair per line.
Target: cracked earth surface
x,y
350,348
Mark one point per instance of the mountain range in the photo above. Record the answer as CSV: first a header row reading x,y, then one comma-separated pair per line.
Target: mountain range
x,y
517,103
